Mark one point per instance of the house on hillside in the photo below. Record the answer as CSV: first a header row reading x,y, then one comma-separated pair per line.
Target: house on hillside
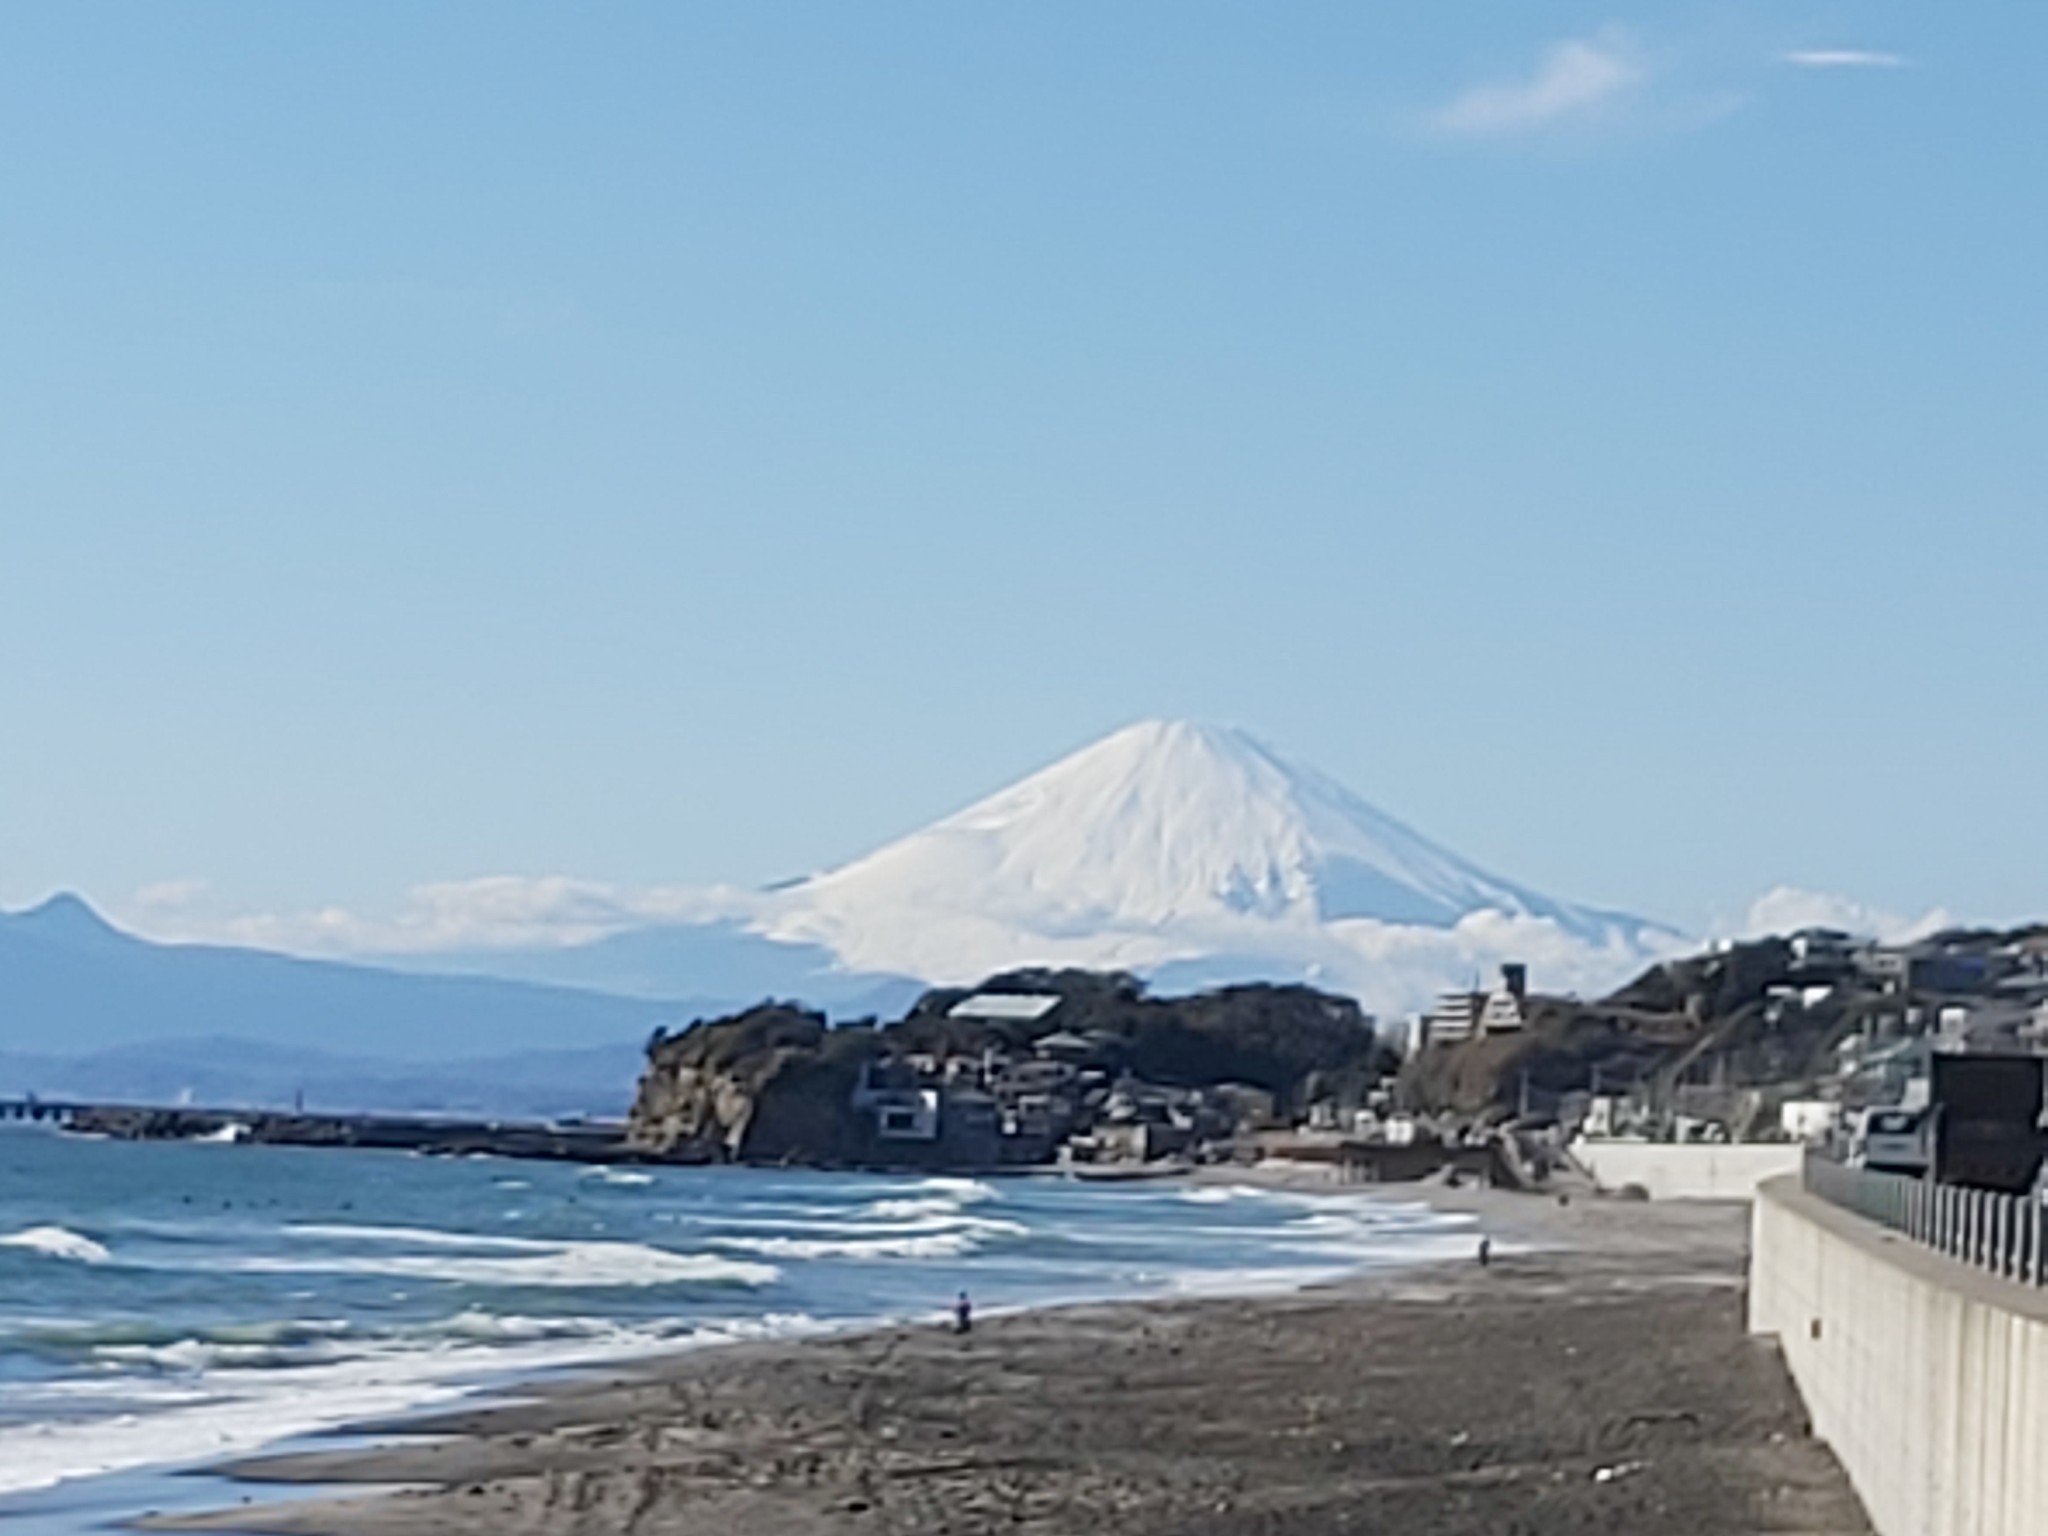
x,y
1065,1046
1005,1007
1455,1017
1460,1014
1889,970
1506,1006
1822,949
893,1091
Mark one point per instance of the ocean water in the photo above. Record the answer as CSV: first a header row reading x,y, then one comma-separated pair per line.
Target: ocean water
x,y
164,1305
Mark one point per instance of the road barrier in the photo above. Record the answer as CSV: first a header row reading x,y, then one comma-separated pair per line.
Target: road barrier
x,y
2000,1234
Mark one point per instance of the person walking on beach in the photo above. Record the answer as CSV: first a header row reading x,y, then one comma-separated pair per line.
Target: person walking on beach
x,y
963,1314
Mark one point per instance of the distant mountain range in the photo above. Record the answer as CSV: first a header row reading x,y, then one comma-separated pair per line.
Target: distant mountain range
x,y
1194,855
90,1011
72,982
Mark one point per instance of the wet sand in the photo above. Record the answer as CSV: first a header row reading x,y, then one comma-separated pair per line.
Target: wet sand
x,y
1596,1378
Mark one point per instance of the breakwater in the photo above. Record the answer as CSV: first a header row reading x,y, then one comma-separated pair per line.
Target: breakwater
x,y
1927,1377
593,1142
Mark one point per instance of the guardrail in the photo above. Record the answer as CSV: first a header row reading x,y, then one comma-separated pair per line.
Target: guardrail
x,y
2001,1234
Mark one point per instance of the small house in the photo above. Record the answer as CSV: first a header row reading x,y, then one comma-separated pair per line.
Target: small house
x,y
1005,1007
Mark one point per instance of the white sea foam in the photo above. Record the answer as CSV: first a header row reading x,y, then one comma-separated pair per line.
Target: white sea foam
x,y
932,1245
57,1243
419,1237
934,1225
121,1333
1341,1223
959,1189
941,1207
858,1225
573,1264
623,1177
231,1411
477,1324
191,1355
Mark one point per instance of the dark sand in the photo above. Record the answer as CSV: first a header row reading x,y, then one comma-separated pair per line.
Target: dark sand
x,y
1605,1387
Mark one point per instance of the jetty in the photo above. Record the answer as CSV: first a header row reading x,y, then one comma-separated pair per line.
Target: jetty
x,y
582,1141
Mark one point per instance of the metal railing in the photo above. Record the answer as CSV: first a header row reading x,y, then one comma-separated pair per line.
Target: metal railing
x,y
2000,1234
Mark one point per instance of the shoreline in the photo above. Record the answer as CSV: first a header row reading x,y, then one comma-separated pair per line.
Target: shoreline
x,y
438,1361
285,1467
1453,1391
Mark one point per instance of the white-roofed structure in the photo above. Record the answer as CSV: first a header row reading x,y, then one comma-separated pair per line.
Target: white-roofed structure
x,y
1013,1007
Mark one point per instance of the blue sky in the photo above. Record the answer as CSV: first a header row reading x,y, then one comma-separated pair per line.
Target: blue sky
x,y
668,444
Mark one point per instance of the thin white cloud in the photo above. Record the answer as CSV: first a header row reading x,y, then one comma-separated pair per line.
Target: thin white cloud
x,y
1573,80
171,895
1786,909
1842,58
496,912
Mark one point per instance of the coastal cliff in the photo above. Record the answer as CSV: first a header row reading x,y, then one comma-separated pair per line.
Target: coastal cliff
x,y
771,1084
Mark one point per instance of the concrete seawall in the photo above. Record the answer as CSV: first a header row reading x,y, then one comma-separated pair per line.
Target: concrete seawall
x,y
1687,1170
1928,1379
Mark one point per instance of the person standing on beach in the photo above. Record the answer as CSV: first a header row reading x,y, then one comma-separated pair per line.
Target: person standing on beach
x,y
963,1314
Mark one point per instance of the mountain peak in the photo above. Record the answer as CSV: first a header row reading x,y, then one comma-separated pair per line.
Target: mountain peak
x,y
64,916
1170,821
1164,740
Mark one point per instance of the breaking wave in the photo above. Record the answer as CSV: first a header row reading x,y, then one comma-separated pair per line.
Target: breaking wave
x,y
931,1245
57,1243
513,1262
968,1190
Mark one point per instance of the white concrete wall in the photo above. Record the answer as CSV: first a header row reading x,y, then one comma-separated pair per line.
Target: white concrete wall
x,y
1928,1379
1688,1170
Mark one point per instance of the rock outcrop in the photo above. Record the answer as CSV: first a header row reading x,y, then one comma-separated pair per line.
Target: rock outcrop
x,y
771,1084
777,1083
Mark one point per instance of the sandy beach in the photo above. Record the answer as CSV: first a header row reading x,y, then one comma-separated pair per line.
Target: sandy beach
x,y
1594,1378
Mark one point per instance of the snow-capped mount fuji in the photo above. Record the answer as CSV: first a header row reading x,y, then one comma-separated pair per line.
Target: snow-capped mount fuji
x,y
1194,852
1170,821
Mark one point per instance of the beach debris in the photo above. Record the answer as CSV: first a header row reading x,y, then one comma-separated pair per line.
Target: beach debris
x,y
1616,1472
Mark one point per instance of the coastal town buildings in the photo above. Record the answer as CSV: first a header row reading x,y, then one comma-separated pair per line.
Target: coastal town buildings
x,y
1463,1013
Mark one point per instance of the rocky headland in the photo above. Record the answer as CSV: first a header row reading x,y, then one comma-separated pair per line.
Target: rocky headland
x,y
1009,1073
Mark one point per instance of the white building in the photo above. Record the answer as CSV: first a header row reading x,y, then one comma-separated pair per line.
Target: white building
x,y
1459,1015
1455,1017
912,1116
1009,1007
1506,1008
1808,1119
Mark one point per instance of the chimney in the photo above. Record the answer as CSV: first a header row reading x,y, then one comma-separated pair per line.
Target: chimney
x,y
1515,977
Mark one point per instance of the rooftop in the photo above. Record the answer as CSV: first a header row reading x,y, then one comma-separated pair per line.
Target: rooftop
x,y
1024,1007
